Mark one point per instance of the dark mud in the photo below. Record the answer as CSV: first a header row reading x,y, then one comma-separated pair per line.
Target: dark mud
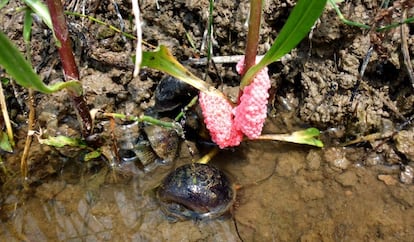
x,y
360,192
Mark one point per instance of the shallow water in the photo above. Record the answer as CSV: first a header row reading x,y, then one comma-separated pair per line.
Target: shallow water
x,y
302,200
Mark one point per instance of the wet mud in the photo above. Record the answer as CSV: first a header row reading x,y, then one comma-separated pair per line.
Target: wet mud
x,y
359,187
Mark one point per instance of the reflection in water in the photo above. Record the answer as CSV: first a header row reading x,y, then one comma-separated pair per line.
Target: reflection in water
x,y
306,199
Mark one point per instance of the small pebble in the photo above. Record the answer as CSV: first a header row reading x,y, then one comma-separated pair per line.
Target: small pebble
x,y
313,160
348,193
387,179
336,158
347,179
405,143
407,175
374,159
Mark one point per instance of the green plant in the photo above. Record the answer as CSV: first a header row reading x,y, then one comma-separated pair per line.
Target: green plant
x,y
299,23
297,26
334,4
21,70
12,60
70,68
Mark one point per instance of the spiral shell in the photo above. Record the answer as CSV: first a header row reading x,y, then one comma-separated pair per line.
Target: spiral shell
x,y
163,141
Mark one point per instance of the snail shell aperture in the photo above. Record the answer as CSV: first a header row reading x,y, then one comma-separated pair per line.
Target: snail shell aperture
x,y
196,191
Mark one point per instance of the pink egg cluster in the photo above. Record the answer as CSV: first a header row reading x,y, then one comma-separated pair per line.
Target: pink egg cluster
x,y
227,124
219,119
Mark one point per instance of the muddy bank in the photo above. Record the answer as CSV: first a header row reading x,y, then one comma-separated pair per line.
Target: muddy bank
x,y
362,191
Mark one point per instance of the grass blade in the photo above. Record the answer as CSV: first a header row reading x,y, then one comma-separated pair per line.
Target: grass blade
x,y
20,69
5,143
27,25
17,66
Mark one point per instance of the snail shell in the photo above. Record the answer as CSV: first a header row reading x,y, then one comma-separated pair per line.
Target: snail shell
x,y
163,141
195,191
172,93
144,152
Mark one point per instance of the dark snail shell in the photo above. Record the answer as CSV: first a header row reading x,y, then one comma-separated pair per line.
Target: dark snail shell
x,y
196,191
172,93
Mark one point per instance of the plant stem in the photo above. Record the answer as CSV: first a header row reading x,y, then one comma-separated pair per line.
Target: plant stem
x,y
30,126
209,32
252,41
6,117
253,33
138,52
68,63
109,26
148,119
207,157
185,109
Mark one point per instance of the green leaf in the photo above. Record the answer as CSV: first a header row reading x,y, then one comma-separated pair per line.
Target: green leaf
x,y
61,141
41,10
20,69
3,3
161,59
17,66
307,136
5,81
5,143
92,155
27,26
297,26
